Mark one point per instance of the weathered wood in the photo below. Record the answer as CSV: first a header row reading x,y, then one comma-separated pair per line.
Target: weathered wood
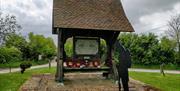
x,y
109,36
110,43
58,58
109,55
115,36
59,71
61,56
88,69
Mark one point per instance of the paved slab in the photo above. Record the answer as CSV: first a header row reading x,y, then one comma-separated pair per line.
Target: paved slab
x,y
79,82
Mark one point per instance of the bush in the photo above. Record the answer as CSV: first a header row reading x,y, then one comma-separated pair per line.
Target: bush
x,y
24,66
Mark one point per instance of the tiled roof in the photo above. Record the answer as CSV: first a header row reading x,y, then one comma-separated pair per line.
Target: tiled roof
x,y
90,14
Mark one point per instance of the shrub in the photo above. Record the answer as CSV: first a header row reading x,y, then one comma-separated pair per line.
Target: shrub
x,y
24,66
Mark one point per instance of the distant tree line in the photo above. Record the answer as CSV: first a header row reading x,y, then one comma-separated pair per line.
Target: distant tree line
x,y
17,48
148,49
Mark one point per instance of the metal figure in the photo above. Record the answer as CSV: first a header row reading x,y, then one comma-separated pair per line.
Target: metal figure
x,y
123,65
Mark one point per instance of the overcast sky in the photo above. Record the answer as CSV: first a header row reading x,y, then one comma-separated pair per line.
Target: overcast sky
x,y
145,15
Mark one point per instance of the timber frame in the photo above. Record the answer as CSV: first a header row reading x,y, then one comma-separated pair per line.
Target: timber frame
x,y
63,34
88,18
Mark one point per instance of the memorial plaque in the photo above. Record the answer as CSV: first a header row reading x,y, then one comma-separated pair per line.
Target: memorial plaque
x,y
86,47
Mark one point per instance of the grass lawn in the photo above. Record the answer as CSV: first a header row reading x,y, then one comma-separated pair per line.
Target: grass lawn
x,y
170,82
15,64
12,81
166,67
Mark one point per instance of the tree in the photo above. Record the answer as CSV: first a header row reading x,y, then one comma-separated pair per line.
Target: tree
x,y
146,49
39,45
142,47
8,25
166,51
8,55
174,31
18,42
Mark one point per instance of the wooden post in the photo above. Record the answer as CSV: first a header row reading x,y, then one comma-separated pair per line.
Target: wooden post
x,y
58,57
59,71
109,54
110,42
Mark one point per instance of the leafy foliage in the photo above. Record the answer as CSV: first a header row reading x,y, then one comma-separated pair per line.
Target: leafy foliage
x,y
24,66
17,48
69,48
9,54
18,42
167,50
14,47
103,48
148,50
39,45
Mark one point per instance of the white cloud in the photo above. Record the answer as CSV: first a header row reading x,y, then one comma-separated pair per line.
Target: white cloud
x,y
28,12
177,8
34,15
145,15
156,22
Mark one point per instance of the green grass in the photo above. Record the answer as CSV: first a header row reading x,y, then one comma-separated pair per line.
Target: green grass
x,y
166,67
171,82
12,64
15,64
13,81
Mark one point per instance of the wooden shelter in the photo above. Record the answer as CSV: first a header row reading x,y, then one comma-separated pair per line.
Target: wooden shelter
x,y
88,18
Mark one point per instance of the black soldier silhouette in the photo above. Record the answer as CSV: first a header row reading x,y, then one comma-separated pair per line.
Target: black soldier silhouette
x,y
123,65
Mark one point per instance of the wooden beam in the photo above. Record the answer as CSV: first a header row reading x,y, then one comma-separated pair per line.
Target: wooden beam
x,y
115,36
